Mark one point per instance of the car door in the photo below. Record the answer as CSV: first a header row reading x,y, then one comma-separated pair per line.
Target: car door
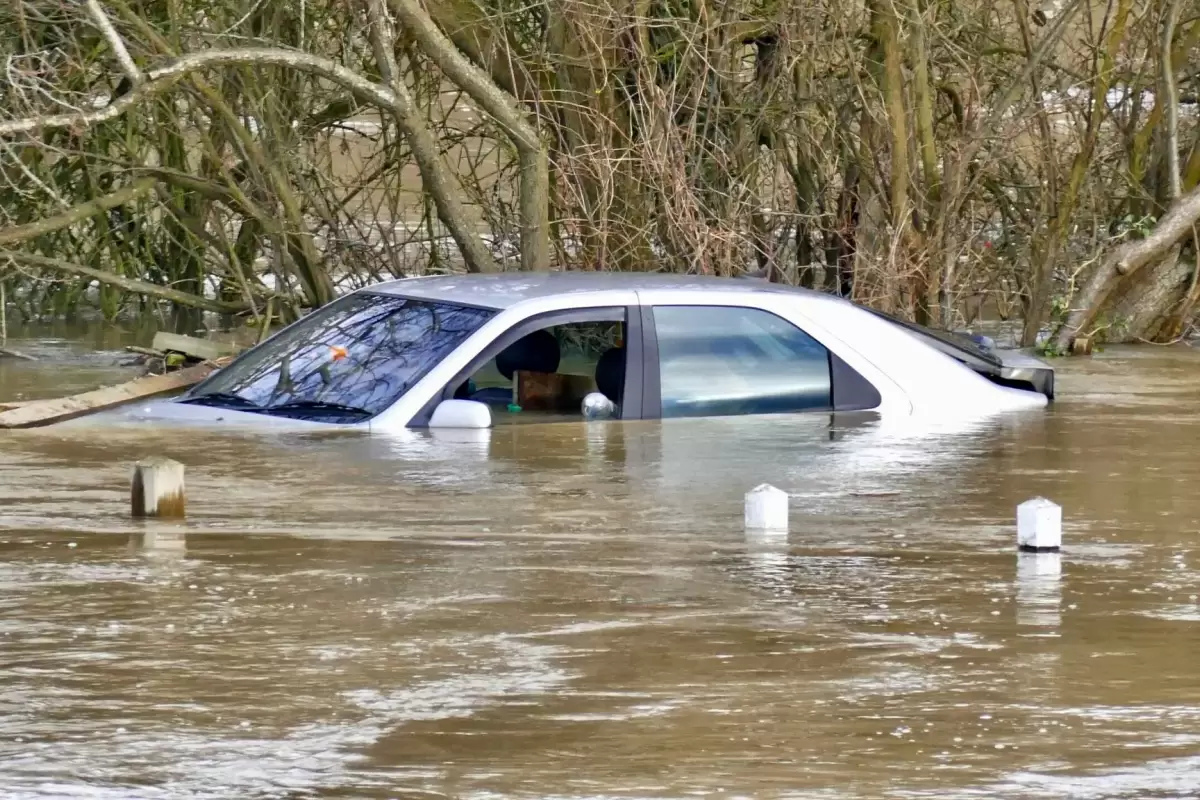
x,y
708,360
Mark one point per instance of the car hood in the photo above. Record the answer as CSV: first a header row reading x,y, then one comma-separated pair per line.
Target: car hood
x,y
177,413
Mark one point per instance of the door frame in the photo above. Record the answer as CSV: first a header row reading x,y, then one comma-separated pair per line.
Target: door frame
x,y
633,397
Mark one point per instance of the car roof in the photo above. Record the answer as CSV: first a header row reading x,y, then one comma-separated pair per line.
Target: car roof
x,y
501,290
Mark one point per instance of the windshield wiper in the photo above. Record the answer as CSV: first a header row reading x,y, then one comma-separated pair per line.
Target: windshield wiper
x,y
319,406
221,400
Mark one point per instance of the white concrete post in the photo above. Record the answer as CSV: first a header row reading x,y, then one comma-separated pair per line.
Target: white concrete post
x,y
766,509
1039,526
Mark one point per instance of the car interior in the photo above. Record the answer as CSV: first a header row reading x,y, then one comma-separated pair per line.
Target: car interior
x,y
547,374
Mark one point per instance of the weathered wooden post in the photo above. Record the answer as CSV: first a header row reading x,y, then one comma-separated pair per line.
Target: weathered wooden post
x,y
157,489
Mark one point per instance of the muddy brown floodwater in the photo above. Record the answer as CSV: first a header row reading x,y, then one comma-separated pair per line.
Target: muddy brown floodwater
x,y
561,611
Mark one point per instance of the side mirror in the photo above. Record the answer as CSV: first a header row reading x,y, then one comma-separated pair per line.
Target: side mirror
x,y
461,414
596,406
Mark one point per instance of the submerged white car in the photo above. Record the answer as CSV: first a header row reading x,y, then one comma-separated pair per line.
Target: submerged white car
x,y
475,350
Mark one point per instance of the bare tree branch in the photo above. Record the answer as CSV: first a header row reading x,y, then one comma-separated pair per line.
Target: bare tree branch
x,y
22,233
471,78
114,41
534,189
162,78
128,284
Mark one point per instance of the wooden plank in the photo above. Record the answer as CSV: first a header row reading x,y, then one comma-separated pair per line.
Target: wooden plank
x,y
204,349
36,413
8,352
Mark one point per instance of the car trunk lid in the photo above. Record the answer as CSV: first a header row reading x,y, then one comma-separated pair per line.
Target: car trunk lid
x,y
1005,367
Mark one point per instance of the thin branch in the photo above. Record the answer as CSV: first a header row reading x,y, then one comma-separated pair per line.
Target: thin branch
x,y
21,233
132,285
114,41
162,78
1171,98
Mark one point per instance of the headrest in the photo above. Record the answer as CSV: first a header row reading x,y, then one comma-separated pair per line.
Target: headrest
x,y
536,352
610,373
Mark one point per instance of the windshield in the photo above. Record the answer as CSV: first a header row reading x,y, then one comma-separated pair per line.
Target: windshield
x,y
345,362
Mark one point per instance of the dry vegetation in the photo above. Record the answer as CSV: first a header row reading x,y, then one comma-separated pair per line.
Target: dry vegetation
x,y
937,159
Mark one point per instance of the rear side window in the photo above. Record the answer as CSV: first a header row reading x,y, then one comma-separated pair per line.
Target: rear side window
x,y
724,361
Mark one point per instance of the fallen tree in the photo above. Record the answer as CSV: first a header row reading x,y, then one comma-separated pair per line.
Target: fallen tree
x,y
1161,246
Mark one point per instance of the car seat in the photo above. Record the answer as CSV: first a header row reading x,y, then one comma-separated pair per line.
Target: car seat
x,y
534,352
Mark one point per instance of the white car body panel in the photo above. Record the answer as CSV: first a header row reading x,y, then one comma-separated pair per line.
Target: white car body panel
x,y
932,382
913,379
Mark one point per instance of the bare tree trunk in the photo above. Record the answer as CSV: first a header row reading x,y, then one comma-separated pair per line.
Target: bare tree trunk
x,y
932,294
424,147
534,165
1146,306
890,250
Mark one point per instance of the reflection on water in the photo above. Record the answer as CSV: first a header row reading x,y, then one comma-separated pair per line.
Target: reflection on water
x,y
1039,589
574,610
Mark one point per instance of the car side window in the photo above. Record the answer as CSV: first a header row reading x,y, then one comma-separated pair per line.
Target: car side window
x,y
548,373
724,361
